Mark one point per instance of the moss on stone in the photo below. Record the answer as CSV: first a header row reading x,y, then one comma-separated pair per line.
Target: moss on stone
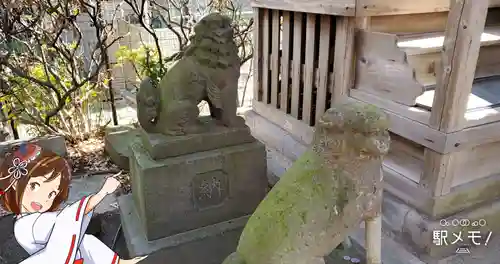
x,y
316,200
359,117
288,202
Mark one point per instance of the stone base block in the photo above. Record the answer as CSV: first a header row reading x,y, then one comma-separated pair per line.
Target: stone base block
x,y
208,245
182,193
57,144
160,146
415,231
116,143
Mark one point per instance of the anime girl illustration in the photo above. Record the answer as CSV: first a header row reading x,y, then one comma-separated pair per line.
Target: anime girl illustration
x,y
34,183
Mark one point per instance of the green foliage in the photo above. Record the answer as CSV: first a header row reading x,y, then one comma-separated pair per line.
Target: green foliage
x,y
29,102
145,61
53,76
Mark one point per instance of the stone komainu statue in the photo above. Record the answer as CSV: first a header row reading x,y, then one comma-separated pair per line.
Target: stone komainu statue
x,y
209,70
325,195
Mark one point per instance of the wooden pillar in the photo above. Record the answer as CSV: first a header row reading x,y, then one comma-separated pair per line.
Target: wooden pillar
x,y
461,46
363,23
462,41
438,172
344,63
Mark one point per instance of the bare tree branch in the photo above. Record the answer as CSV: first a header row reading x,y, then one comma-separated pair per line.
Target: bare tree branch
x,y
42,48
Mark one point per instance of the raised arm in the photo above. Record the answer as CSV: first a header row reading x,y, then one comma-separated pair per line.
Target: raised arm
x,y
109,186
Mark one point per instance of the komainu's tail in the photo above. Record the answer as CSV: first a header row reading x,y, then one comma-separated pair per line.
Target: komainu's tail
x,y
148,105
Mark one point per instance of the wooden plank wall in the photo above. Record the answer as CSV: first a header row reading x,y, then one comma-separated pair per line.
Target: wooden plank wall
x,y
294,68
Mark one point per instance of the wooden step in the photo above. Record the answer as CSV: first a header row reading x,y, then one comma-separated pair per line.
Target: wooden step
x,y
485,94
425,43
484,101
424,54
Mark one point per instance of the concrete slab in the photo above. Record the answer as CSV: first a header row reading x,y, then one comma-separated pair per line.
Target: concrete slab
x,y
116,144
89,185
223,236
57,144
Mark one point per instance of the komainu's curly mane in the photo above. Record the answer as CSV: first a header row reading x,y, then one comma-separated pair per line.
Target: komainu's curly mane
x,y
212,42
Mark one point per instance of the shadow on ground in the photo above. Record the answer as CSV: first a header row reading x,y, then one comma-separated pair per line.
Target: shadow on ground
x,y
104,226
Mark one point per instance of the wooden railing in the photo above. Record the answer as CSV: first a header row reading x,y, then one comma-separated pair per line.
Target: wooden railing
x,y
294,54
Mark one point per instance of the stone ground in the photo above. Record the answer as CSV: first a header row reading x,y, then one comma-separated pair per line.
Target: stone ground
x,y
105,225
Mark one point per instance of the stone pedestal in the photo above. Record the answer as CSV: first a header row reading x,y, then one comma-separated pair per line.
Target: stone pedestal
x,y
188,182
160,146
210,244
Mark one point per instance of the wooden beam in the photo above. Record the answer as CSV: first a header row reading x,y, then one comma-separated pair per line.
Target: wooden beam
x,y
476,163
417,114
415,131
257,56
343,64
472,137
460,198
467,138
400,7
403,7
327,7
410,23
465,25
295,127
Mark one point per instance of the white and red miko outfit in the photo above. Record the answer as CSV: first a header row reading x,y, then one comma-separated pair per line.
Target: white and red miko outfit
x,y
59,237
